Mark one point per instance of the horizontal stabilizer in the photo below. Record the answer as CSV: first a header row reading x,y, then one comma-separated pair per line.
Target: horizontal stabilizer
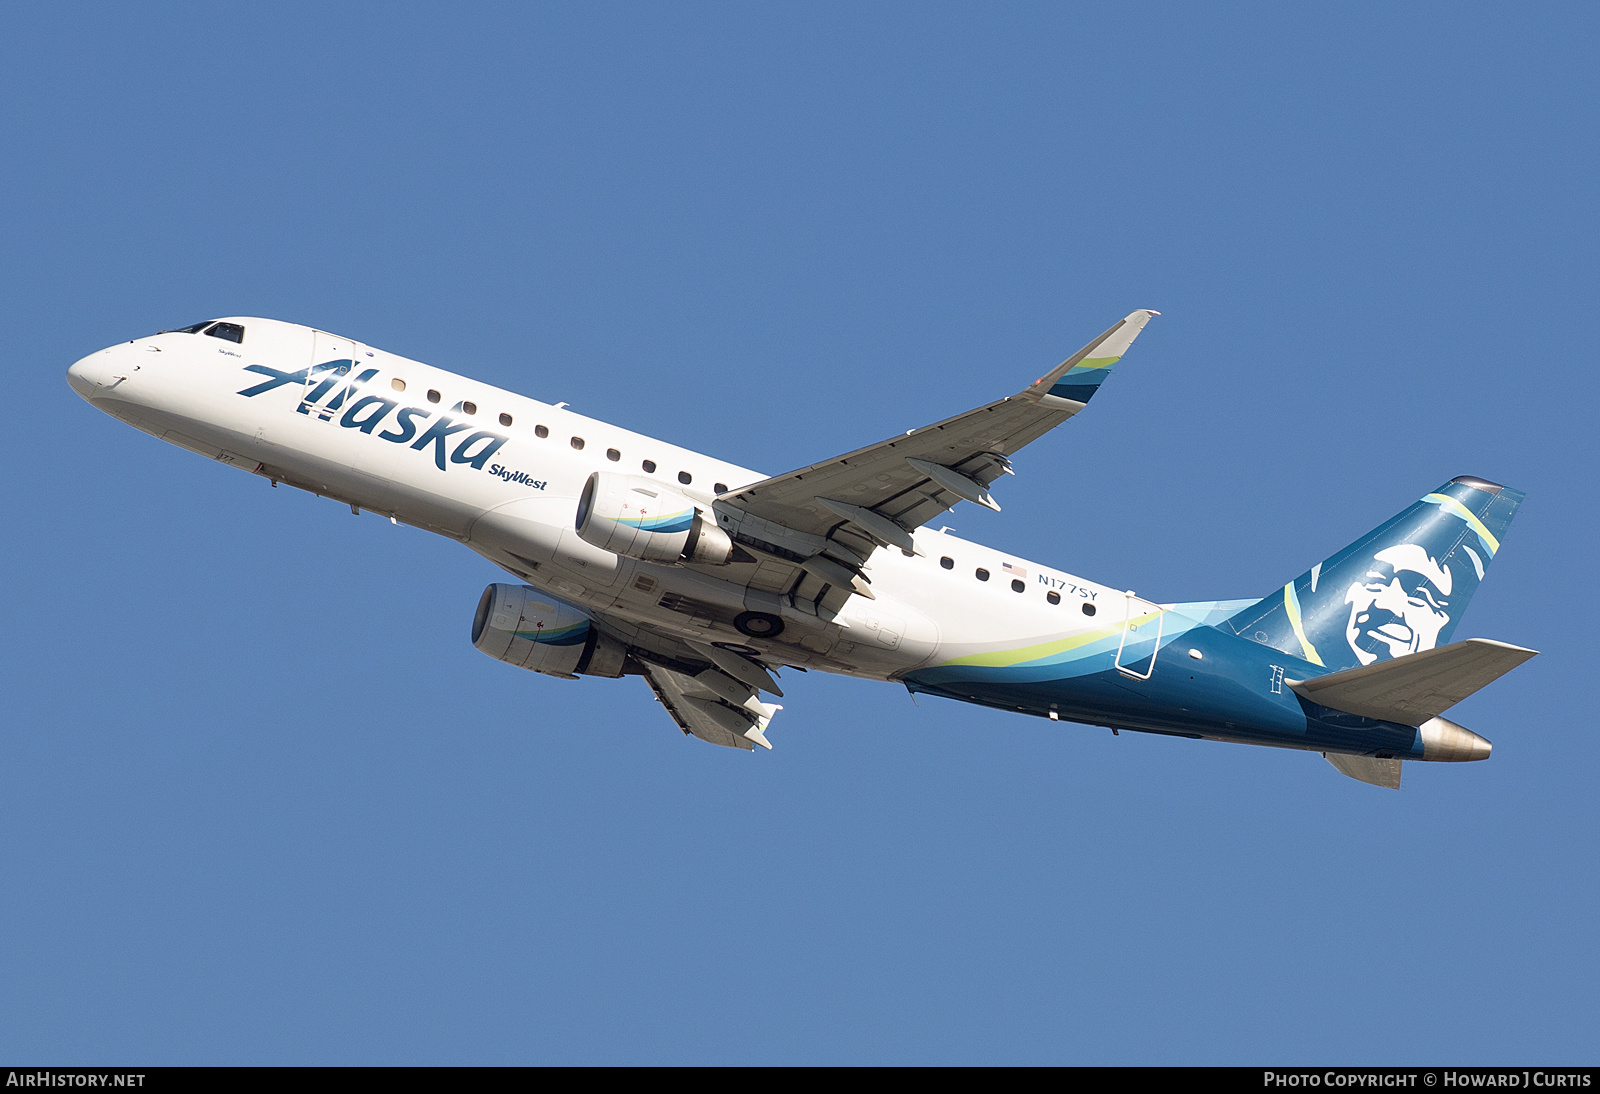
x,y
1411,689
1366,769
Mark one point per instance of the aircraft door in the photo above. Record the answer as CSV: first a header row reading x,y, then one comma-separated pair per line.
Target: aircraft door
x,y
332,359
1142,623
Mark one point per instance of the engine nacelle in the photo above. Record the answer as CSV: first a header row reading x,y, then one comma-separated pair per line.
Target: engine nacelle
x,y
521,626
639,518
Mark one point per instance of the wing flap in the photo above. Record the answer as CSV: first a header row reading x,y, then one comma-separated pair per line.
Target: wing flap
x,y
1411,689
713,706
814,529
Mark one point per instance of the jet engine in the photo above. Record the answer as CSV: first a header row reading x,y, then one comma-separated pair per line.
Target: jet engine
x,y
521,626
637,517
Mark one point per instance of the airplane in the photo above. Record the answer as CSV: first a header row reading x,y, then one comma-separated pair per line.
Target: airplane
x,y
635,557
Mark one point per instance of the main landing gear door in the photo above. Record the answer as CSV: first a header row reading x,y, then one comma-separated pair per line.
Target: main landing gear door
x,y
1142,623
332,359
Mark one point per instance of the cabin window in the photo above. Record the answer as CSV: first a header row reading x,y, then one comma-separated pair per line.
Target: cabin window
x,y
1088,609
505,419
649,466
433,396
1053,597
1017,586
947,562
685,478
541,431
981,574
398,384
613,455
577,442
233,332
469,408
720,487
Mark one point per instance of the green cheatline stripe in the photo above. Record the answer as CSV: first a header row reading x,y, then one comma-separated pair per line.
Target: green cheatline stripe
x,y
640,522
539,633
1004,658
1092,362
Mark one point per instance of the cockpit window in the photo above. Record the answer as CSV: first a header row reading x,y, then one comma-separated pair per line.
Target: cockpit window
x,y
196,329
233,332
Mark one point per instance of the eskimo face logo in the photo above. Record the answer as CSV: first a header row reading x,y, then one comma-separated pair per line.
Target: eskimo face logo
x,y
1398,607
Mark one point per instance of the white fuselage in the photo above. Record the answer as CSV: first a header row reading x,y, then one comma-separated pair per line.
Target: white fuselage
x,y
516,507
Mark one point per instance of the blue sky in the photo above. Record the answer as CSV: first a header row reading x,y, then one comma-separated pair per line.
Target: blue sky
x,y
260,800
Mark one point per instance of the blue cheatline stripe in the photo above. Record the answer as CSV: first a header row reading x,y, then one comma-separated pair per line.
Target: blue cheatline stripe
x,y
673,522
560,636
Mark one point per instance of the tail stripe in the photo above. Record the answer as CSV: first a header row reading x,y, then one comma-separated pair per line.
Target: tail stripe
x,y
1291,605
1398,590
1456,509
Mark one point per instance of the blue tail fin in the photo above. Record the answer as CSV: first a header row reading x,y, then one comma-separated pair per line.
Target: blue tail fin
x,y
1398,589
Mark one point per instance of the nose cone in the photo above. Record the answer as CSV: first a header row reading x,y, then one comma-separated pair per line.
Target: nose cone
x,y
92,375
1442,739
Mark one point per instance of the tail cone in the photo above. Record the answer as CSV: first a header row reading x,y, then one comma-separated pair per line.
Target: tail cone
x,y
1443,740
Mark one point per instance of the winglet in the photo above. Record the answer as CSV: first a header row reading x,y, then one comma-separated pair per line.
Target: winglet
x,y
1073,383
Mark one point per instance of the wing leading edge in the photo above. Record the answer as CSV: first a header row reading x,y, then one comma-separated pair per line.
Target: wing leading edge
x,y
827,519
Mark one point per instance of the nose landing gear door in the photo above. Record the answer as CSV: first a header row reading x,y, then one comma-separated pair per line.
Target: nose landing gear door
x,y
332,360
1142,623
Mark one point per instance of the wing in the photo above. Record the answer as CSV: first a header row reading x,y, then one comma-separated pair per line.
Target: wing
x,y
710,692
712,705
812,530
